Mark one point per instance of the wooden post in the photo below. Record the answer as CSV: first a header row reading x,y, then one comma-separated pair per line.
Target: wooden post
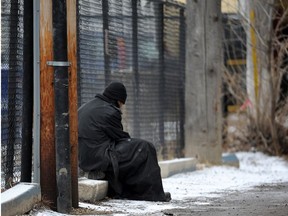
x,y
47,138
73,116
47,105
203,81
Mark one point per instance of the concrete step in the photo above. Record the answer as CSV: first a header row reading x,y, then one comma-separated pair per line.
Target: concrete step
x,y
92,190
95,190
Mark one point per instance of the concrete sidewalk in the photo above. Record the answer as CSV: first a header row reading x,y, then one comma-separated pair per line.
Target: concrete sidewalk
x,y
22,197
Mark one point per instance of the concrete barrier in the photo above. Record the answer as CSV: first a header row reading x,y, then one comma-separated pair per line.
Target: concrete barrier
x,y
20,199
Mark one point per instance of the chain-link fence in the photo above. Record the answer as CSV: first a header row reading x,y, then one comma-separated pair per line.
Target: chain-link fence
x,y
142,44
11,90
16,91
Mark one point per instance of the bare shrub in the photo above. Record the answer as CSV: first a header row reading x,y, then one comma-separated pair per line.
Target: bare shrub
x,y
267,130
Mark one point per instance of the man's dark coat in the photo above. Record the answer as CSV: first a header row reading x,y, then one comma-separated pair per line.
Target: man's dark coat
x,y
130,165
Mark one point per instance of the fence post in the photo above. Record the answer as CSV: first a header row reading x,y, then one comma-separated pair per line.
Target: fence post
x,y
203,127
27,109
105,9
161,89
36,91
182,80
136,125
60,64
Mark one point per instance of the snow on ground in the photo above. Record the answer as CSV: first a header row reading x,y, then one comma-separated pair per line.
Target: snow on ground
x,y
255,169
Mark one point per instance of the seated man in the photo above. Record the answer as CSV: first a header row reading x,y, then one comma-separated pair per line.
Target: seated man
x,y
130,165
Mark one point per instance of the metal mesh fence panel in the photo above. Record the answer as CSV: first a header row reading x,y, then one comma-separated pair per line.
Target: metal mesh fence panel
x,y
11,90
91,75
174,62
142,44
148,79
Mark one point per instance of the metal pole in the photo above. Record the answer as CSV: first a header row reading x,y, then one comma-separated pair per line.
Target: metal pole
x,y
182,80
36,92
135,67
62,140
27,109
161,76
105,9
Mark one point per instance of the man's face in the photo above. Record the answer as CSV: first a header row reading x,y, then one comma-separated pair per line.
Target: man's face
x,y
120,104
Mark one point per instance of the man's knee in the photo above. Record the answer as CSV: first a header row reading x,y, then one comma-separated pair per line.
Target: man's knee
x,y
145,145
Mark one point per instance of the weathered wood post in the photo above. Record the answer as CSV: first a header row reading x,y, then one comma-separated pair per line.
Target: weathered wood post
x,y
58,56
47,142
73,114
203,123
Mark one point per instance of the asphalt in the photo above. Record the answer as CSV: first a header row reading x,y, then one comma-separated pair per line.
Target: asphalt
x,y
264,200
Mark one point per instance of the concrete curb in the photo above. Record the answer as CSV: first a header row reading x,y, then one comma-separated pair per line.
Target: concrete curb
x,y
171,167
20,199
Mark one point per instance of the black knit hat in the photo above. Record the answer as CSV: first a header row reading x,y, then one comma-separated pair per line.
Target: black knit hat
x,y
116,91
